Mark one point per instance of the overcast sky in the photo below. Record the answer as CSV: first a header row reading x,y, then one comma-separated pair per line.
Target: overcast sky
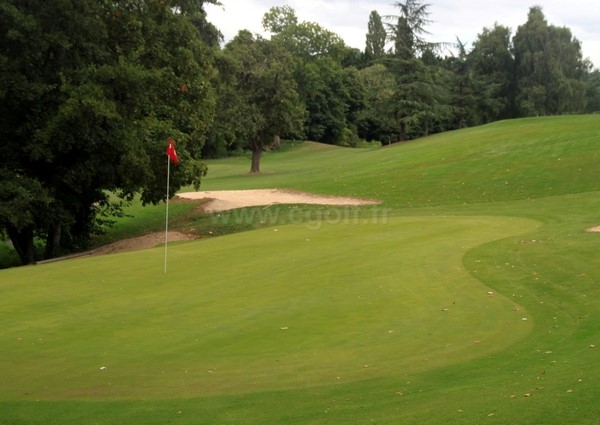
x,y
464,19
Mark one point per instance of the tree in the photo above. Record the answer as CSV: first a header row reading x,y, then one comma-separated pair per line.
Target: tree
x,y
304,40
419,99
89,93
492,64
549,68
330,93
376,37
462,87
279,19
258,100
322,89
374,120
593,92
407,30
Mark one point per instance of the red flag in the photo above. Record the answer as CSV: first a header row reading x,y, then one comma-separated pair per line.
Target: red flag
x,y
171,152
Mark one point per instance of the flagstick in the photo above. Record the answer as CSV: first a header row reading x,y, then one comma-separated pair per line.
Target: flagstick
x,y
167,215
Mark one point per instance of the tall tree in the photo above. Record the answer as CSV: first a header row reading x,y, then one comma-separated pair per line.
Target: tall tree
x,y
376,37
418,99
89,93
549,68
593,92
279,19
374,120
462,87
329,92
304,40
408,29
492,64
259,99
322,88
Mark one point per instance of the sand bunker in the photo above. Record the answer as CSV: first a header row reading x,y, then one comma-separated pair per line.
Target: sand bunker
x,y
594,229
231,199
227,200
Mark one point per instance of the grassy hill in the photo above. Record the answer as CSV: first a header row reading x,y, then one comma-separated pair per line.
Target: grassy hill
x,y
469,296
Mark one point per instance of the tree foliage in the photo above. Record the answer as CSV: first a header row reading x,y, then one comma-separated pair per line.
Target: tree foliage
x,y
89,93
376,37
549,68
492,65
258,100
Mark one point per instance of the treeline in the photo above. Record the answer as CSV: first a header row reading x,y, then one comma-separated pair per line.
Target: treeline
x,y
90,91
400,87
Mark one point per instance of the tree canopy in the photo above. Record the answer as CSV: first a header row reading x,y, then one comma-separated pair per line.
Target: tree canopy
x,y
258,99
89,93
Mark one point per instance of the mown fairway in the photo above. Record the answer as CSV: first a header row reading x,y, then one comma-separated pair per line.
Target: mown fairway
x,y
471,295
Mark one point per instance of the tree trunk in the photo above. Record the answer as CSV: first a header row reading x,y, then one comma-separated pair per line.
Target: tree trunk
x,y
53,242
256,154
426,128
276,142
22,241
402,132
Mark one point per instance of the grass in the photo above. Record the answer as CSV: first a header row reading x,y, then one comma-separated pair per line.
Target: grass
x,y
408,312
140,220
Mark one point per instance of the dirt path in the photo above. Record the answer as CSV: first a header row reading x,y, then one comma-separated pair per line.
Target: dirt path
x,y
141,242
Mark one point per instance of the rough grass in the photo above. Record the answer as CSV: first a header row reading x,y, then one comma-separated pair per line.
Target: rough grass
x,y
376,315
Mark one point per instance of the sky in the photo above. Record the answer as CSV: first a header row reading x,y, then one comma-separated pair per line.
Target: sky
x,y
464,19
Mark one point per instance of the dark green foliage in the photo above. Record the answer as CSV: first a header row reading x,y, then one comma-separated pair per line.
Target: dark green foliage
x,y
89,93
549,68
374,121
492,65
257,96
592,83
376,37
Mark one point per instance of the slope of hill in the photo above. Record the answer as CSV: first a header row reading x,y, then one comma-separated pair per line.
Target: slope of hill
x,y
469,296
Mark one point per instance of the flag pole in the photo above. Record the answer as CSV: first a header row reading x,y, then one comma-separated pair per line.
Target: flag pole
x,y
167,214
171,156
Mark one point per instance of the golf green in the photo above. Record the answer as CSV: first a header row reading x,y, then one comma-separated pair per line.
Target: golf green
x,y
286,307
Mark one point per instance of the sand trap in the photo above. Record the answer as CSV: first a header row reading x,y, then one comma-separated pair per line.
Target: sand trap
x,y
594,229
223,200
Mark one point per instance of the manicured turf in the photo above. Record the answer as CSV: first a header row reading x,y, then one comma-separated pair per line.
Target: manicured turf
x,y
471,295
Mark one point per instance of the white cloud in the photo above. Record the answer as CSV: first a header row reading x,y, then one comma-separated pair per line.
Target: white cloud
x,y
464,19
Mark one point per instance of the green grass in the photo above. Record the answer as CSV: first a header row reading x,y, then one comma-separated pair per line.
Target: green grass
x,y
139,220
338,315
